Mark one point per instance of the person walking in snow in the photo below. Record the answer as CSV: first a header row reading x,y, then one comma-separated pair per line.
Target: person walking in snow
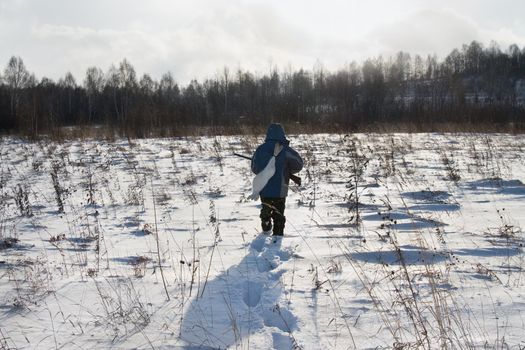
x,y
273,162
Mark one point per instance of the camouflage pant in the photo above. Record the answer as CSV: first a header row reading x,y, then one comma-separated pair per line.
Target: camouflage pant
x,y
273,209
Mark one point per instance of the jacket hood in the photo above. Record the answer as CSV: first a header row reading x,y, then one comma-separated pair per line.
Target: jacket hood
x,y
276,133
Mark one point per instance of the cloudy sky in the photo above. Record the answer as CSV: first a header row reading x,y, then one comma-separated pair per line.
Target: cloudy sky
x,y
195,39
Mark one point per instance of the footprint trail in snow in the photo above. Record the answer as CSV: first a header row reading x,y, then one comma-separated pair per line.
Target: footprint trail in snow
x,y
243,305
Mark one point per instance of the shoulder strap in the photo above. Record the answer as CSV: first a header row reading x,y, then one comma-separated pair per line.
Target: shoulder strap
x,y
277,149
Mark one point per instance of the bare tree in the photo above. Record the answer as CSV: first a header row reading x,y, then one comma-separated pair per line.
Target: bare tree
x,y
128,81
93,85
225,87
16,77
471,85
419,68
69,84
147,87
113,85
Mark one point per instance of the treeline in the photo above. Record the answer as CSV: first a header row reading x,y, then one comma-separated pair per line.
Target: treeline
x,y
472,85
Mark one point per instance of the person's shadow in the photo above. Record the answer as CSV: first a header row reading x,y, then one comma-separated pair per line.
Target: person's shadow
x,y
242,304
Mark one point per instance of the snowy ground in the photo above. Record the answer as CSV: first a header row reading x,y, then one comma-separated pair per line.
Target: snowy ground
x,y
426,251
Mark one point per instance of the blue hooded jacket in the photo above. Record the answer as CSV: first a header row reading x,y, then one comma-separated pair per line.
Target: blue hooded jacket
x,y
287,162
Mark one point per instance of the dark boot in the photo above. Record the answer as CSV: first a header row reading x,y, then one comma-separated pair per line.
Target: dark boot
x,y
266,217
266,225
273,209
278,217
278,229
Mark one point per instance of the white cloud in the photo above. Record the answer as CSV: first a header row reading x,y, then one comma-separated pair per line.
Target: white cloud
x,y
438,31
197,39
428,31
250,36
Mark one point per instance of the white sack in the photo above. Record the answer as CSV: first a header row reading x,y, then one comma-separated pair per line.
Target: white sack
x,y
260,180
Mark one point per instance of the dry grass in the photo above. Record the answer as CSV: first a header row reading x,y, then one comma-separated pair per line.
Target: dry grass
x,y
110,134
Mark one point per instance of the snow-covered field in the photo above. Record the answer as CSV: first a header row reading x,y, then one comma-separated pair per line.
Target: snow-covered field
x,y
154,245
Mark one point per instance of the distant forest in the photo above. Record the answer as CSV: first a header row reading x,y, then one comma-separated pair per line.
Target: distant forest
x,y
473,85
